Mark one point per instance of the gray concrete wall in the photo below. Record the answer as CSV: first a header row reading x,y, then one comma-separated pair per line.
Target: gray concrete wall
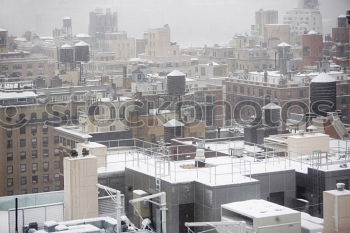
x,y
282,181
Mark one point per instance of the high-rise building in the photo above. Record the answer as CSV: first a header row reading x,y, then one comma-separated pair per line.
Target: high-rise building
x,y
3,41
101,22
263,17
158,41
303,19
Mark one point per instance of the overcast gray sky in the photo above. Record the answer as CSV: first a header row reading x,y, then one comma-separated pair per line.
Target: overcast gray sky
x,y
193,22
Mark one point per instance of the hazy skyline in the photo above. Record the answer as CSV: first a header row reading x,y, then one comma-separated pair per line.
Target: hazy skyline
x,y
193,22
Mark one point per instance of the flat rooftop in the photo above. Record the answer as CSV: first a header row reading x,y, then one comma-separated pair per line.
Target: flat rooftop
x,y
258,208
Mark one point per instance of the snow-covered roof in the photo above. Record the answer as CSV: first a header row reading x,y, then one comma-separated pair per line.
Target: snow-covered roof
x,y
271,106
176,73
312,32
173,123
3,30
82,35
66,46
17,95
81,43
323,78
283,44
258,208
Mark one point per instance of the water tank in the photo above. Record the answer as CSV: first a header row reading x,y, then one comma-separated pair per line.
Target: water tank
x,y
82,52
323,94
271,114
176,83
66,54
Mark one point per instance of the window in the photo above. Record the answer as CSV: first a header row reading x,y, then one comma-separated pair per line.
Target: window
x,y
9,182
46,166
33,116
22,130
17,66
9,133
34,142
64,142
45,129
46,178
9,144
46,189
56,164
23,180
344,90
56,139
34,167
22,143
9,156
23,167
23,191
57,176
35,190
22,155
57,188
45,141
34,179
9,169
306,51
45,153
302,93
33,129
344,100
34,154
56,152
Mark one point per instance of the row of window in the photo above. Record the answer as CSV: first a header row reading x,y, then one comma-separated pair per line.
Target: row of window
x,y
34,180
34,142
249,91
20,66
34,190
34,153
23,167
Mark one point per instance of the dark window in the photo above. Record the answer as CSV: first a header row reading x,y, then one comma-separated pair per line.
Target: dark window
x,y
33,129
306,51
9,144
35,190
45,141
34,154
33,116
9,133
9,156
23,180
56,139
22,155
22,130
46,189
22,143
35,179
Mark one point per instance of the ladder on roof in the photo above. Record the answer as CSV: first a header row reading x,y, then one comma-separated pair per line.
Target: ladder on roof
x,y
158,174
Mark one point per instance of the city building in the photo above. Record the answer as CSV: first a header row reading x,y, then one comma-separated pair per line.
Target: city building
x,y
303,19
263,17
101,22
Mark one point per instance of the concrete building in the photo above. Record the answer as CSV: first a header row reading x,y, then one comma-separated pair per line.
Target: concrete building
x,y
158,42
263,17
3,41
101,22
303,20
274,34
